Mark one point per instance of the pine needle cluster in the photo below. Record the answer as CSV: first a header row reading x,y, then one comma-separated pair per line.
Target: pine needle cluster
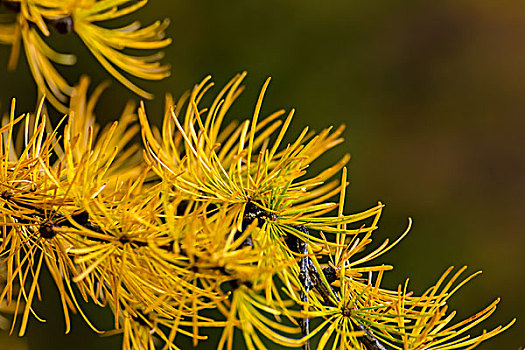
x,y
28,24
201,225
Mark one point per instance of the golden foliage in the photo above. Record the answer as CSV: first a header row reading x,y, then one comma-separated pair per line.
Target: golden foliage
x,y
31,22
216,226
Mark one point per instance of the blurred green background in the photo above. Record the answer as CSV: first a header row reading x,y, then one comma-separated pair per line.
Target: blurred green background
x,y
433,94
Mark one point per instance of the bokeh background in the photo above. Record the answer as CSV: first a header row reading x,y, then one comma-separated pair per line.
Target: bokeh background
x,y
433,94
